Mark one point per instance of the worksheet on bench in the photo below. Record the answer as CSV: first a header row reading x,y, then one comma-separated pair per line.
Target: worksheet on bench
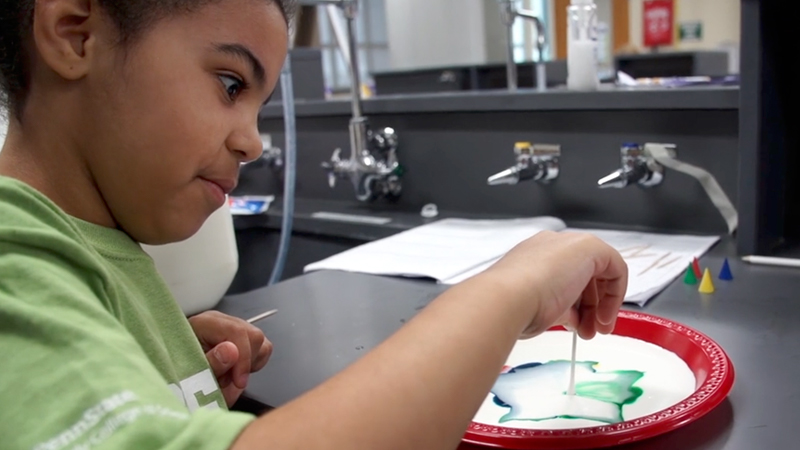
x,y
439,250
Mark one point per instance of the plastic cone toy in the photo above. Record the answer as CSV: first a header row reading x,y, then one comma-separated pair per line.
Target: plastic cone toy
x,y
696,266
690,278
725,272
706,286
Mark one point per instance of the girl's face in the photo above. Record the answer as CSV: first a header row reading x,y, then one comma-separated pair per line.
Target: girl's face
x,y
170,119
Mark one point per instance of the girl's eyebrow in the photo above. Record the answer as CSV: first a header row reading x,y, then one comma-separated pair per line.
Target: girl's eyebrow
x,y
244,53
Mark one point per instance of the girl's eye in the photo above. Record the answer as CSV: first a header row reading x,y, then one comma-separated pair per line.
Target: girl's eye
x,y
233,86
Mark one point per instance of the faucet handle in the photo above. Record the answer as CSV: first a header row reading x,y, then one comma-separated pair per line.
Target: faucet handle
x,y
616,179
508,176
273,157
331,180
333,167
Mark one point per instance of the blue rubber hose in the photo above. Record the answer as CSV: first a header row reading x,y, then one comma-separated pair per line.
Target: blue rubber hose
x,y
287,92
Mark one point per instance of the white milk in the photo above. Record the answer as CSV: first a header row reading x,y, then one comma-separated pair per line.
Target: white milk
x,y
667,379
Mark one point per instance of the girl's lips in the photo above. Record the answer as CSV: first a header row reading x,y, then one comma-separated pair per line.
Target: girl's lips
x,y
218,192
226,184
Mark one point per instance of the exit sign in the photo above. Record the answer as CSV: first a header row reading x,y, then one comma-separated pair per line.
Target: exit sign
x,y
691,31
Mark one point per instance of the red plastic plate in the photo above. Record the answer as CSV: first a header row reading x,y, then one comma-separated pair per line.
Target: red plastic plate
x,y
712,369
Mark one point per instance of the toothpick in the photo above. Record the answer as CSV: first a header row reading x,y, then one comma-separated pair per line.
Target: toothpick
x,y
255,319
571,390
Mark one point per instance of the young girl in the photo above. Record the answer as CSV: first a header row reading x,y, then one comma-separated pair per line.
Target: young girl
x,y
129,120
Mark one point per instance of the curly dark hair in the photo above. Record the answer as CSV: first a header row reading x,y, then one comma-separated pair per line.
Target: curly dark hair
x,y
131,17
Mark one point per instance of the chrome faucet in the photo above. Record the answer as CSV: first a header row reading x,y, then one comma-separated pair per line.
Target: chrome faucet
x,y
372,167
637,167
272,156
538,162
509,13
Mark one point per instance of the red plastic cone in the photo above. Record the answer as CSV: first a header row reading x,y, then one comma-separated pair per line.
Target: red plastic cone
x,y
696,267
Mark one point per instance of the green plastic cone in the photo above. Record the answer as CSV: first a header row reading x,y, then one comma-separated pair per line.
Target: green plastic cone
x,y
690,277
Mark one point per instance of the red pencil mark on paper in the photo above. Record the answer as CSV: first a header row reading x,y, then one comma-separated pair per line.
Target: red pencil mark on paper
x,y
635,252
655,263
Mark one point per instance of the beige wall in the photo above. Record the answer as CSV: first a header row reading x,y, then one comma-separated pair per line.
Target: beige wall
x,y
425,33
721,22
636,23
434,33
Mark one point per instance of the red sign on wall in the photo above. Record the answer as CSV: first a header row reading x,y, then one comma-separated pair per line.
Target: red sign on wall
x,y
659,19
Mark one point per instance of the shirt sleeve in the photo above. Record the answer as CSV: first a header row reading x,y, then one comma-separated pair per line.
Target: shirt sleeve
x,y
72,376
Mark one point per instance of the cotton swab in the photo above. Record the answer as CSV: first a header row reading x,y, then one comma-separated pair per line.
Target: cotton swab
x,y
261,316
571,390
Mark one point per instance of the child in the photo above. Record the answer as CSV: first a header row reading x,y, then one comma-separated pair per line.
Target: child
x,y
128,122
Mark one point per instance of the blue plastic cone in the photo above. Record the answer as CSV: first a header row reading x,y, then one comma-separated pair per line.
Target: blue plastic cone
x,y
725,272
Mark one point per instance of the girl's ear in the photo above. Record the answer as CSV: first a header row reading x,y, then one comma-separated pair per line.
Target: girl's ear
x,y
65,35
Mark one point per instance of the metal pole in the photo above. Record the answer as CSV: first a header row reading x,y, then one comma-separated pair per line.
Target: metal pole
x,y
541,43
511,66
338,26
350,8
508,14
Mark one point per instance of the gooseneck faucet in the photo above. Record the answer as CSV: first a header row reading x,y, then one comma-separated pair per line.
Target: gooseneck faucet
x,y
509,13
373,167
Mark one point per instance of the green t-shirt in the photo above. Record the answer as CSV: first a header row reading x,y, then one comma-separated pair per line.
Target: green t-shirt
x,y
94,351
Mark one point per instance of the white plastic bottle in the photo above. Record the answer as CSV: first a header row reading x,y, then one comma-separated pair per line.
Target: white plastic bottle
x,y
200,269
582,46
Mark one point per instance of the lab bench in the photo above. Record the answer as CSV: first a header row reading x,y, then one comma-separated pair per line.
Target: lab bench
x,y
327,320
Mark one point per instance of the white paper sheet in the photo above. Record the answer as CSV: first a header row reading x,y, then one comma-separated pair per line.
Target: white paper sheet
x,y
654,260
440,250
